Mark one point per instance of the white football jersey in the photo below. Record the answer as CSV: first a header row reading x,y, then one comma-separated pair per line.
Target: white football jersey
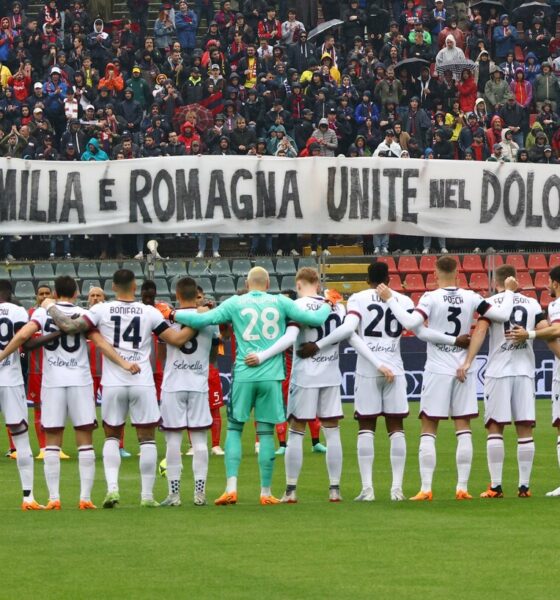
x,y
186,368
379,329
12,319
554,317
451,311
505,357
321,370
128,327
66,358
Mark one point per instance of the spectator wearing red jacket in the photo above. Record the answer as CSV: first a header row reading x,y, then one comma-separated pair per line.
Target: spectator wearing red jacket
x,y
468,91
270,28
21,84
188,135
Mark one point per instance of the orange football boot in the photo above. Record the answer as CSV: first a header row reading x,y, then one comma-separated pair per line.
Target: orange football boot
x,y
86,505
53,505
33,505
523,492
226,498
493,492
422,496
265,500
462,495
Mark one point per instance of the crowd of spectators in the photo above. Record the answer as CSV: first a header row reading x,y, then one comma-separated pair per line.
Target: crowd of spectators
x,y
413,79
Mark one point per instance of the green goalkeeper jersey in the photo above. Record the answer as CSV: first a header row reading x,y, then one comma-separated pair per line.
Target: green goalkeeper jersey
x,y
258,320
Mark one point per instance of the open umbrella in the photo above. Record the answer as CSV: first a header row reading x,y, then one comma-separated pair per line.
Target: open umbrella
x,y
456,67
322,27
198,115
413,65
529,10
484,6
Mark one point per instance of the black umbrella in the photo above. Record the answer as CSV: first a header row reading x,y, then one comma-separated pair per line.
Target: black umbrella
x,y
324,27
529,10
413,65
484,6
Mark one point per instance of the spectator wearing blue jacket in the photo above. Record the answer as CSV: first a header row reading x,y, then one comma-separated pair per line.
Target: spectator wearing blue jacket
x,y
366,109
93,151
186,23
505,38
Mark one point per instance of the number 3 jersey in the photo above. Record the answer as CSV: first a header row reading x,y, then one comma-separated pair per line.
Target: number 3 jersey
x,y
505,357
321,370
65,358
379,329
186,368
128,327
12,319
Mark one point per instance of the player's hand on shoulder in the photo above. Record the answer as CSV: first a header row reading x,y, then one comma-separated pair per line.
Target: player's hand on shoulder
x,y
307,350
463,341
252,360
47,303
164,309
511,284
384,292
517,334
387,373
333,297
203,309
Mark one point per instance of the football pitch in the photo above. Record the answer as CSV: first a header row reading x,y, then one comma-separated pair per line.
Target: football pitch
x,y
443,549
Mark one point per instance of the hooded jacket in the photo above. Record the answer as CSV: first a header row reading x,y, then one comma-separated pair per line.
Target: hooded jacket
x,y
522,90
504,42
130,110
114,84
450,55
496,92
494,136
187,138
509,147
536,129
96,153
546,87
467,93
98,43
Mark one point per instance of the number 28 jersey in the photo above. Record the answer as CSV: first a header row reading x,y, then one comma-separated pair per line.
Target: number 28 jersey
x,y
379,329
321,370
128,327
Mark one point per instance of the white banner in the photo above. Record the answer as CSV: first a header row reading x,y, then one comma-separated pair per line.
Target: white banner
x,y
244,195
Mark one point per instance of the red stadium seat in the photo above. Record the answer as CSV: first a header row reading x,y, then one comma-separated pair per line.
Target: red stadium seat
x,y
457,260
408,264
554,260
545,298
414,282
530,293
541,280
517,261
479,282
431,283
415,297
462,280
493,261
537,262
427,263
472,263
389,261
395,283
525,280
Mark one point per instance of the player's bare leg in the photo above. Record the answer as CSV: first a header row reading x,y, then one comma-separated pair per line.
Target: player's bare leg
x,y
495,456
173,440
463,457
52,467
427,457
331,430
112,464
20,436
556,493
366,453
86,465
395,429
525,457
148,464
293,459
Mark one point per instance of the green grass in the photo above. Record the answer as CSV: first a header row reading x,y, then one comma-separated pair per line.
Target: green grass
x,y
444,549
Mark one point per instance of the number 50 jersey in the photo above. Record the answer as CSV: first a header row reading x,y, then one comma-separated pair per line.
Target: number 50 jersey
x,y
321,370
380,330
128,327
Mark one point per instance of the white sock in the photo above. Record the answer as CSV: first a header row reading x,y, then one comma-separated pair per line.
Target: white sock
x,y
111,463
366,454
52,471
525,456
398,458
86,465
427,460
558,450
231,484
495,455
148,464
24,464
200,459
463,458
293,459
334,454
173,441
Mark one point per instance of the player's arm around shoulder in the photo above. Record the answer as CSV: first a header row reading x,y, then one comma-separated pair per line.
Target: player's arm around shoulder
x,y
20,338
313,318
66,323
215,316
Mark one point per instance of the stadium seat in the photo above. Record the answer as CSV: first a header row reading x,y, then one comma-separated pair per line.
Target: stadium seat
x,y
65,268
265,263
431,283
285,266
108,288
4,272
461,280
176,267
106,269
530,293
395,283
240,267
472,263
457,259
427,263
553,260
389,261
45,282
44,271
162,289
415,297
220,267
288,282
24,289
407,264
88,284
537,262
223,298
517,261
525,280
479,282
88,271
18,273
274,287
134,266
307,261
206,284
545,298
241,284
347,287
541,280
224,285
493,261
27,303
197,268
414,282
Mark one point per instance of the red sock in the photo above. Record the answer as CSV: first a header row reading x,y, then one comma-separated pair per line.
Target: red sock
x,y
314,429
10,440
121,442
38,429
281,430
216,428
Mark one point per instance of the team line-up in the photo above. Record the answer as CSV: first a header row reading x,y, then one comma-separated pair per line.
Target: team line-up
x,y
265,326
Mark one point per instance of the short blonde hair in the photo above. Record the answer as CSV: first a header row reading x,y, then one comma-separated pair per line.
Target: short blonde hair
x,y
308,274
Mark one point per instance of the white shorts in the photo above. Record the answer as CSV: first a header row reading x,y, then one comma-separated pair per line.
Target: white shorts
x,y
185,410
14,405
140,402
76,402
375,396
444,396
556,403
508,399
306,404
